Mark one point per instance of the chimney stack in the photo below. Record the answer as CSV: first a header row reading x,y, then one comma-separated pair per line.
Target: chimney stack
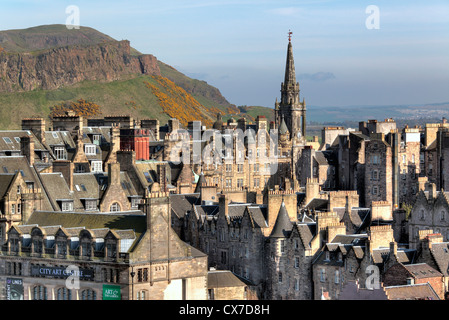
x,y
27,148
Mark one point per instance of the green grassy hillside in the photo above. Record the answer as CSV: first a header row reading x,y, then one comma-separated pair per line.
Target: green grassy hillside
x,y
130,95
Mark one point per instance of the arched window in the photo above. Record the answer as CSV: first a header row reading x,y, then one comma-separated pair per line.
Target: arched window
x,y
443,215
422,214
39,293
64,294
115,207
88,294
142,295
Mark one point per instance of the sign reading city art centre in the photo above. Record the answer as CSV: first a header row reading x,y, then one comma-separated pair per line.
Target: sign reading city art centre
x,y
111,292
39,271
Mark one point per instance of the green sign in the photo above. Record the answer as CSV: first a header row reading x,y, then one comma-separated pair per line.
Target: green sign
x,y
111,292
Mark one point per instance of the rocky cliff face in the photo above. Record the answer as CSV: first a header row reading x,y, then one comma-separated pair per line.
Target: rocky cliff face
x,y
61,66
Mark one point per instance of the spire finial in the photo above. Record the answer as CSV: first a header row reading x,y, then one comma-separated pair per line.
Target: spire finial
x,y
289,35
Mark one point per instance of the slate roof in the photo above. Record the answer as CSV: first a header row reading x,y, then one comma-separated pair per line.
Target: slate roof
x,y
422,270
223,279
411,292
321,159
259,215
283,226
305,233
440,253
12,141
283,127
181,203
132,220
5,181
317,204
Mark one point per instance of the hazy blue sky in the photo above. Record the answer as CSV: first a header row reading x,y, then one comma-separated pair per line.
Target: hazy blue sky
x,y
240,46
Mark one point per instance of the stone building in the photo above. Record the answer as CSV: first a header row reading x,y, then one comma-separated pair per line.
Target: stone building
x,y
135,253
356,257
429,212
417,273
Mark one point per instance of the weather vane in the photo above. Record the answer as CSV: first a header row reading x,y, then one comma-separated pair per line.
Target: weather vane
x,y
289,36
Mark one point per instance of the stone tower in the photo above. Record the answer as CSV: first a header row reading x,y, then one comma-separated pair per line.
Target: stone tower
x,y
290,107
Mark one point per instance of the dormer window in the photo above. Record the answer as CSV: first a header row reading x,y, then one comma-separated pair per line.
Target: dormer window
x,y
115,207
67,205
327,256
111,249
90,149
60,153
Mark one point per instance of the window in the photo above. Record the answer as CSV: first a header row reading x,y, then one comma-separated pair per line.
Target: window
x,y
7,140
240,168
256,182
90,149
229,168
14,244
282,246
328,256
296,262
375,175
413,158
239,183
375,190
39,293
66,205
63,294
141,295
86,249
135,202
62,247
280,277
60,153
443,215
422,214
322,275
37,245
296,284
228,183
88,294
112,250
337,276
404,159
223,257
96,139
91,205
115,207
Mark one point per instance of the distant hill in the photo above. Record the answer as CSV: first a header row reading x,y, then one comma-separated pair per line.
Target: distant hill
x,y
48,65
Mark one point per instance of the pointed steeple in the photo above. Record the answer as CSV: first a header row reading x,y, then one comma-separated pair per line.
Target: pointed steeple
x,y
290,73
283,127
283,226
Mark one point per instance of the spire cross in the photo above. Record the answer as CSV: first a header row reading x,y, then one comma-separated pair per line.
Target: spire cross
x,y
289,36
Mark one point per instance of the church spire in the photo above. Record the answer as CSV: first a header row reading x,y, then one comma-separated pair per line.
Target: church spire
x,y
290,74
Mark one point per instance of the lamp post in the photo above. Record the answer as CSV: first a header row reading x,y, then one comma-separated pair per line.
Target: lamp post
x,y
132,282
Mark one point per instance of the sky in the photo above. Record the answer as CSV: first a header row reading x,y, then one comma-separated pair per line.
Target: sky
x,y
347,53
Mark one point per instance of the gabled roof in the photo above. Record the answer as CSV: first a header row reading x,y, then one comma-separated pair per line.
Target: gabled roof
x,y
440,253
422,291
181,203
223,279
422,270
115,221
5,182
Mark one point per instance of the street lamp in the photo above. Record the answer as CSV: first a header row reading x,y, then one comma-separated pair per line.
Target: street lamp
x,y
132,283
